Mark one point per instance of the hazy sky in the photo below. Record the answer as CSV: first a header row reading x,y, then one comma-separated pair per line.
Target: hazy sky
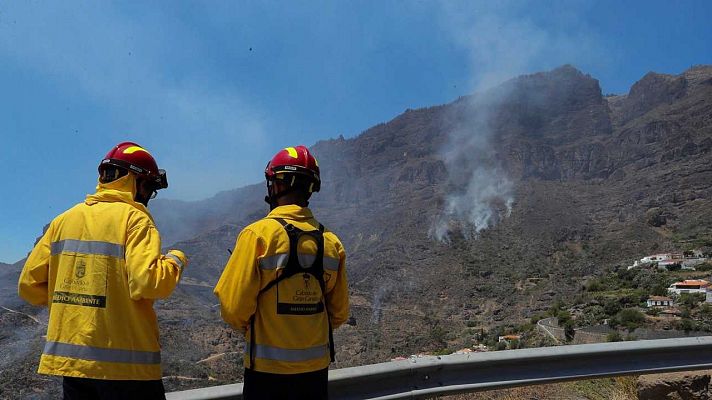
x,y
213,88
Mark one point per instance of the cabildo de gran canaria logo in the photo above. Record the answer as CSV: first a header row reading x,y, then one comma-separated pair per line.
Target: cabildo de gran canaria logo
x,y
80,270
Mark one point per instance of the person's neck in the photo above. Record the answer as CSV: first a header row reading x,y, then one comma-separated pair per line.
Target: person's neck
x,y
292,203
291,199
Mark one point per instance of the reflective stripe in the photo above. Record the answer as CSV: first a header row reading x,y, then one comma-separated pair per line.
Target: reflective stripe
x,y
102,354
275,261
280,354
280,260
88,247
330,264
176,259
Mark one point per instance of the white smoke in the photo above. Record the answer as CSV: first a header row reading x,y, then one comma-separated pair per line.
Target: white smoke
x,y
502,41
379,297
481,193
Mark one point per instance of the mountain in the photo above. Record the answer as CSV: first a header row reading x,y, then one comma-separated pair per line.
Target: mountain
x,y
469,215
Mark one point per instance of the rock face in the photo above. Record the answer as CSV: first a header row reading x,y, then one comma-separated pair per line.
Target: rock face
x,y
675,386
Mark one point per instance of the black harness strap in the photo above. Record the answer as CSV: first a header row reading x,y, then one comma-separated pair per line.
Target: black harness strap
x,y
292,268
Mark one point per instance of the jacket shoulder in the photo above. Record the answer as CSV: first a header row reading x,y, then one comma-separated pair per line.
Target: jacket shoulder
x,y
331,237
68,214
263,227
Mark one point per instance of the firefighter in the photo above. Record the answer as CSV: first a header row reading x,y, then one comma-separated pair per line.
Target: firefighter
x,y
98,267
284,287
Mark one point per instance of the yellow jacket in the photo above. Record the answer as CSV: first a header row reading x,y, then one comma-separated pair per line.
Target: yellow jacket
x,y
99,268
285,343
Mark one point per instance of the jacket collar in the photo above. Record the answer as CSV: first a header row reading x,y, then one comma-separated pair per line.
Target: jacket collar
x,y
291,211
122,190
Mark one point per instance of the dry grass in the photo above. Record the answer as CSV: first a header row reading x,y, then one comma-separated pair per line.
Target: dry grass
x,y
620,388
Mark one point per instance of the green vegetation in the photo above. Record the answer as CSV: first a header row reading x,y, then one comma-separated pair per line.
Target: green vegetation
x,y
614,337
619,297
691,300
687,325
629,318
569,330
563,317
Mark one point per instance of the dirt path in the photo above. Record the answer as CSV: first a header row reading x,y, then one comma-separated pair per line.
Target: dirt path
x,y
545,328
216,356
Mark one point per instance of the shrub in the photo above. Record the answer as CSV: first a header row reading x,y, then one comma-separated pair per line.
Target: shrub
x,y
652,311
562,317
614,337
630,318
706,266
686,325
691,299
595,286
591,315
706,310
528,327
611,307
556,307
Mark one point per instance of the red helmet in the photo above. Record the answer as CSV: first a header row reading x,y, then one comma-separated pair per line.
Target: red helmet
x,y
136,159
294,160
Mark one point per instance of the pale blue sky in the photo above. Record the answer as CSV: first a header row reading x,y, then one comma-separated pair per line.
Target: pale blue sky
x,y
213,88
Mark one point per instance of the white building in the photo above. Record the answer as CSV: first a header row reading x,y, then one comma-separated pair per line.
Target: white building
x,y
689,286
656,258
659,301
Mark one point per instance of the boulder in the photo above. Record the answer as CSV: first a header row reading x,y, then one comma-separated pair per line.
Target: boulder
x,y
693,385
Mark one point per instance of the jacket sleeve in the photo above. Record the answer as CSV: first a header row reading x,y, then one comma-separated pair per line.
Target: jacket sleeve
x,y
338,298
239,283
33,284
151,275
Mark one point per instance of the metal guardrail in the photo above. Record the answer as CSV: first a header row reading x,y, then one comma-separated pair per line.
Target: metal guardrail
x,y
422,377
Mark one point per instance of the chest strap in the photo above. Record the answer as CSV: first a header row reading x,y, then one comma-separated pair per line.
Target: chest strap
x,y
292,268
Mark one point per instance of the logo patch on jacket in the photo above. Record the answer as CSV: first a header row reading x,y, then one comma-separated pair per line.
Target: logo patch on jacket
x,y
80,270
82,284
297,296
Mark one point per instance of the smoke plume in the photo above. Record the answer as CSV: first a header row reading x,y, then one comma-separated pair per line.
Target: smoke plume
x,y
480,192
503,40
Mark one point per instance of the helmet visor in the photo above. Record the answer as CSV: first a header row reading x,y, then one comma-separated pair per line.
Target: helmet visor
x,y
161,180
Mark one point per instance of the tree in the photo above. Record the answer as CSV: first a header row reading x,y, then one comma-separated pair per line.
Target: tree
x,y
569,331
562,317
